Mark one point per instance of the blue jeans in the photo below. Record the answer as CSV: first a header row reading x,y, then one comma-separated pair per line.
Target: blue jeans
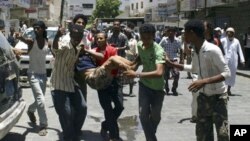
x,y
38,86
72,110
150,105
111,114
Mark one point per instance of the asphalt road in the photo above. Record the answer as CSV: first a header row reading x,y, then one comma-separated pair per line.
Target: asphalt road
x,y
174,125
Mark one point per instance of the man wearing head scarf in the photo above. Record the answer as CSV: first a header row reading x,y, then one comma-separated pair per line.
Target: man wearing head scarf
x,y
37,50
232,48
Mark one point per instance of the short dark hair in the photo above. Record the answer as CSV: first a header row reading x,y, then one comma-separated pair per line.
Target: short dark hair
x,y
197,26
78,16
171,28
147,28
102,32
76,28
42,25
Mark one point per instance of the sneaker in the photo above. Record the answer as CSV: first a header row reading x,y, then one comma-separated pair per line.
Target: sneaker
x,y
43,131
32,117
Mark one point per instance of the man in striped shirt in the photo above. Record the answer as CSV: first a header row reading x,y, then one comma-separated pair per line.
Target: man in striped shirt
x,y
66,94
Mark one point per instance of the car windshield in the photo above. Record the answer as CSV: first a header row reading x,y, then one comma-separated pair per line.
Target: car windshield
x,y
31,34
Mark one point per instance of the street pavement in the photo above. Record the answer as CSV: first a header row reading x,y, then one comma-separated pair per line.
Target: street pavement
x,y
174,125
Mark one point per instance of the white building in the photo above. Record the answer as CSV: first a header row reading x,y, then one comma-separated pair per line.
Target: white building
x,y
74,7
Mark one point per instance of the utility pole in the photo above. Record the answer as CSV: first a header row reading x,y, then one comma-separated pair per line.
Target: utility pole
x,y
61,11
205,8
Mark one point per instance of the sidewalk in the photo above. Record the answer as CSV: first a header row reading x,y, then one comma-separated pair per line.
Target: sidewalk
x,y
244,72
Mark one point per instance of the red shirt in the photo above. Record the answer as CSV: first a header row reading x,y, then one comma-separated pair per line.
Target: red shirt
x,y
109,51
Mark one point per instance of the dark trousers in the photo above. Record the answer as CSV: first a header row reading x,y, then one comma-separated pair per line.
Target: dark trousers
x,y
247,57
80,79
150,105
212,110
175,74
111,114
72,110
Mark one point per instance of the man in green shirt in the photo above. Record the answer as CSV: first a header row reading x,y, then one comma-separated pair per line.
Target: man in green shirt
x,y
151,83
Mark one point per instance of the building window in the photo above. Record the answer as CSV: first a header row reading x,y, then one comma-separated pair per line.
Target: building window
x,y
90,6
150,0
141,4
132,6
137,5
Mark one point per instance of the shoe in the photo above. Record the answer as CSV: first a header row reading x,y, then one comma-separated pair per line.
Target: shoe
x,y
175,93
131,95
167,93
104,134
229,93
43,131
193,119
32,117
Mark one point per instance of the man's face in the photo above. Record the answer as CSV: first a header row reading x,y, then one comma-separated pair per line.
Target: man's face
x,y
188,36
76,37
147,38
171,33
81,22
230,34
101,39
38,30
116,26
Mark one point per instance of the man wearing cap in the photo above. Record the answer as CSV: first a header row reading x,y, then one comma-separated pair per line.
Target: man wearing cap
x,y
232,48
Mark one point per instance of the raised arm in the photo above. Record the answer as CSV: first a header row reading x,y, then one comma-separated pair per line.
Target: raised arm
x,y
27,41
60,32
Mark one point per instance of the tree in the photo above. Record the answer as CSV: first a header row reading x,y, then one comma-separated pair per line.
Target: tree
x,y
107,9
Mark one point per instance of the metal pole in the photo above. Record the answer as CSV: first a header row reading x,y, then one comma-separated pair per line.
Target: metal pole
x,y
61,12
205,7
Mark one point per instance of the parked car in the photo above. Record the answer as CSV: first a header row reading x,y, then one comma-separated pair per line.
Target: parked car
x,y
24,58
11,103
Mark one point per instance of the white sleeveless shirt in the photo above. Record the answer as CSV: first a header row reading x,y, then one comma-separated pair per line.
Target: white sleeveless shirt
x,y
37,64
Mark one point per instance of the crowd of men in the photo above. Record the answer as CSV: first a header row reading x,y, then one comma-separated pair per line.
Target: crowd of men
x,y
107,60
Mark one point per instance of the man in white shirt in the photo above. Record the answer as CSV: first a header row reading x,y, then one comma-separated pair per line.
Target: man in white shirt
x,y
209,64
232,49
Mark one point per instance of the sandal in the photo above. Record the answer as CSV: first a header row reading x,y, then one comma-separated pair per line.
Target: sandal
x,y
43,131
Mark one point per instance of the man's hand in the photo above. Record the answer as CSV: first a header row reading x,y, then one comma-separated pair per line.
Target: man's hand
x,y
130,73
167,58
196,85
61,31
17,35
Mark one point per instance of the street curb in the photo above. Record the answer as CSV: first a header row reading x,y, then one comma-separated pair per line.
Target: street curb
x,y
243,74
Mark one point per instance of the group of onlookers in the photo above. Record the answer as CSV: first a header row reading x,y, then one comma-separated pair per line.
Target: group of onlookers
x,y
91,57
